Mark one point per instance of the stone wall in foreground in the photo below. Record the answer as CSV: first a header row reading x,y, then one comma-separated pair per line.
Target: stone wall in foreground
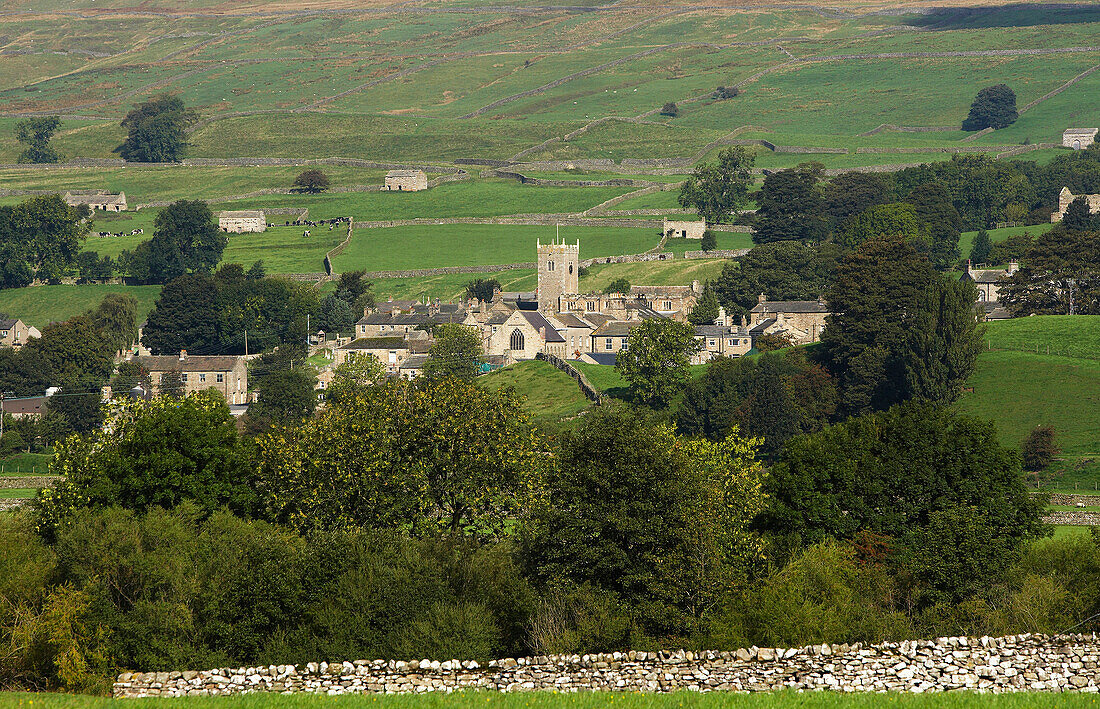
x,y
1007,664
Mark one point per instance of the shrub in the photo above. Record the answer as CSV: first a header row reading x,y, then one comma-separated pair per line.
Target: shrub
x,y
670,109
1039,448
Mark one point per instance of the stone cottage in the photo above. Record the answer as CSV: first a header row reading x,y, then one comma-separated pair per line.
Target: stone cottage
x,y
1079,138
405,181
722,339
104,201
801,320
1065,198
242,221
15,333
684,229
226,373
987,280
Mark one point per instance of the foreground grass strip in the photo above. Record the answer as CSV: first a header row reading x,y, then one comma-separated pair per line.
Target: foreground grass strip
x,y
586,700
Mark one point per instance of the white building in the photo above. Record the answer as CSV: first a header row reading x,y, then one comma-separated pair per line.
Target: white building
x,y
248,220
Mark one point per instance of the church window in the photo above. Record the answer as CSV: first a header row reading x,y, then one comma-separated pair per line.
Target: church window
x,y
549,265
570,269
516,341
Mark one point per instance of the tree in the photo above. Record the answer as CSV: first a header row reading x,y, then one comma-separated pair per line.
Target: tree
x,y
1060,275
171,384
41,235
852,193
1079,217
184,317
482,289
358,290
769,342
311,181
897,220
657,521
284,396
427,456
156,130
1039,449
336,315
670,109
74,354
358,371
116,318
156,453
709,241
791,206
725,92
782,271
942,223
705,311
892,317
993,107
894,473
35,133
979,250
719,191
256,271
185,239
656,360
456,353
619,285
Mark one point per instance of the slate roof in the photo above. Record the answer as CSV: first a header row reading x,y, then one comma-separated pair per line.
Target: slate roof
x,y
603,357
377,343
540,323
242,214
414,362
790,306
25,406
571,320
761,326
616,328
191,363
720,331
8,323
417,318
989,275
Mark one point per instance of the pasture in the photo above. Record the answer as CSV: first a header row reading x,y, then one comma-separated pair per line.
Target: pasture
x,y
549,395
41,305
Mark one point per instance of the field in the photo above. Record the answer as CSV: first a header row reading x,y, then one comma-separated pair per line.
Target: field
x,y
25,464
41,305
549,395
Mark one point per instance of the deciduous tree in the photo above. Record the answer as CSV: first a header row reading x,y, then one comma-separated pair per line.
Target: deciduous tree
x,y
719,190
456,353
993,107
311,181
35,133
656,360
156,130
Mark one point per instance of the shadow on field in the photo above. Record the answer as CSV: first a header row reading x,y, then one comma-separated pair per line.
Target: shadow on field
x,y
1018,15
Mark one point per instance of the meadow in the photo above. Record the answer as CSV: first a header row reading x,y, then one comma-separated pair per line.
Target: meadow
x,y
41,305
581,700
549,395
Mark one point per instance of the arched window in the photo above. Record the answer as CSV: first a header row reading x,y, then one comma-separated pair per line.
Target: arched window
x,y
570,269
549,265
516,341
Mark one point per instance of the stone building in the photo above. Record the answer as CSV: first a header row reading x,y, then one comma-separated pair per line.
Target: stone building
x,y
226,373
1065,198
15,333
988,280
391,351
242,221
684,229
522,335
398,317
558,273
801,320
722,339
405,181
1079,138
105,201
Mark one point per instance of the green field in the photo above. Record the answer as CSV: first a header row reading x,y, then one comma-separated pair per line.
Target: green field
x,y
25,464
17,493
1068,335
41,305
549,395
966,240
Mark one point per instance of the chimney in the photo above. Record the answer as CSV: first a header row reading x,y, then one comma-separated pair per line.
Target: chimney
x,y
761,298
968,265
695,288
721,319
183,355
1013,266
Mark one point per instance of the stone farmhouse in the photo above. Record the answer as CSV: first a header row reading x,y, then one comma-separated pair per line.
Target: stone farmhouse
x,y
400,317
105,201
242,221
405,181
800,320
392,351
15,333
684,229
988,283
226,373
1065,198
1079,138
722,339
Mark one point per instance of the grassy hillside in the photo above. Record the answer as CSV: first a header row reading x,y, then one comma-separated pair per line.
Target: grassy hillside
x,y
1068,335
42,305
549,395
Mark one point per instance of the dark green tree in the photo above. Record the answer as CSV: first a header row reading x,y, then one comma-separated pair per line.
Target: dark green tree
x,y
116,318
256,271
357,288
898,220
709,242
456,353
482,289
781,271
311,181
185,239
335,316
670,109
979,250
1039,449
1079,217
720,190
791,206
656,361
993,107
705,311
284,396
1060,275
943,224
619,285
35,133
156,130
44,233
852,193
184,317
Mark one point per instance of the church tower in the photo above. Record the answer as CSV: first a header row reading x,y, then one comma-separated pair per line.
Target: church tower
x,y
557,273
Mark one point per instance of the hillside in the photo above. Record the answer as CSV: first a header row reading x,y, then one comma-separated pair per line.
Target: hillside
x,y
549,394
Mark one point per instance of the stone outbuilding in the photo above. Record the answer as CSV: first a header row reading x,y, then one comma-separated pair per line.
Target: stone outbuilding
x,y
684,229
1065,198
1079,138
405,181
988,280
15,333
104,201
801,320
242,221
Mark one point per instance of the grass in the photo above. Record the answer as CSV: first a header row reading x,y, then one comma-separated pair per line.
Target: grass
x,y
579,700
17,493
41,305
1066,335
550,395
966,239
410,247
26,464
726,240
285,249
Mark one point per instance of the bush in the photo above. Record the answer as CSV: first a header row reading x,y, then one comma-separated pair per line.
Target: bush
x,y
670,109
709,242
724,92
1039,448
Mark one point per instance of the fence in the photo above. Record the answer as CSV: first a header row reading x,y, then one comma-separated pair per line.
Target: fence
x,y
590,392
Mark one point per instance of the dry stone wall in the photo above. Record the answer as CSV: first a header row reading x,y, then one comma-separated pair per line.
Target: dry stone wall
x,y
997,665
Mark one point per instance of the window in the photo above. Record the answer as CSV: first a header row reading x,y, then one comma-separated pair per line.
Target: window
x,y
202,377
624,344
590,305
570,269
221,378
393,356
549,265
733,342
494,329
667,305
710,343
608,345
515,342
183,377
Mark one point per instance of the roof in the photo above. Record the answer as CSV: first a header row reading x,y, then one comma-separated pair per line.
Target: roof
x,y
661,290
571,320
8,323
598,319
97,197
191,363
1081,131
415,318
404,173
376,343
989,275
549,332
415,361
791,306
603,357
761,326
719,331
242,214
616,328
25,405
391,305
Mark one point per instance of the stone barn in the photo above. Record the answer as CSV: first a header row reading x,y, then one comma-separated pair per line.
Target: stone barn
x,y
405,181
105,201
1079,138
685,229
1065,198
248,220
